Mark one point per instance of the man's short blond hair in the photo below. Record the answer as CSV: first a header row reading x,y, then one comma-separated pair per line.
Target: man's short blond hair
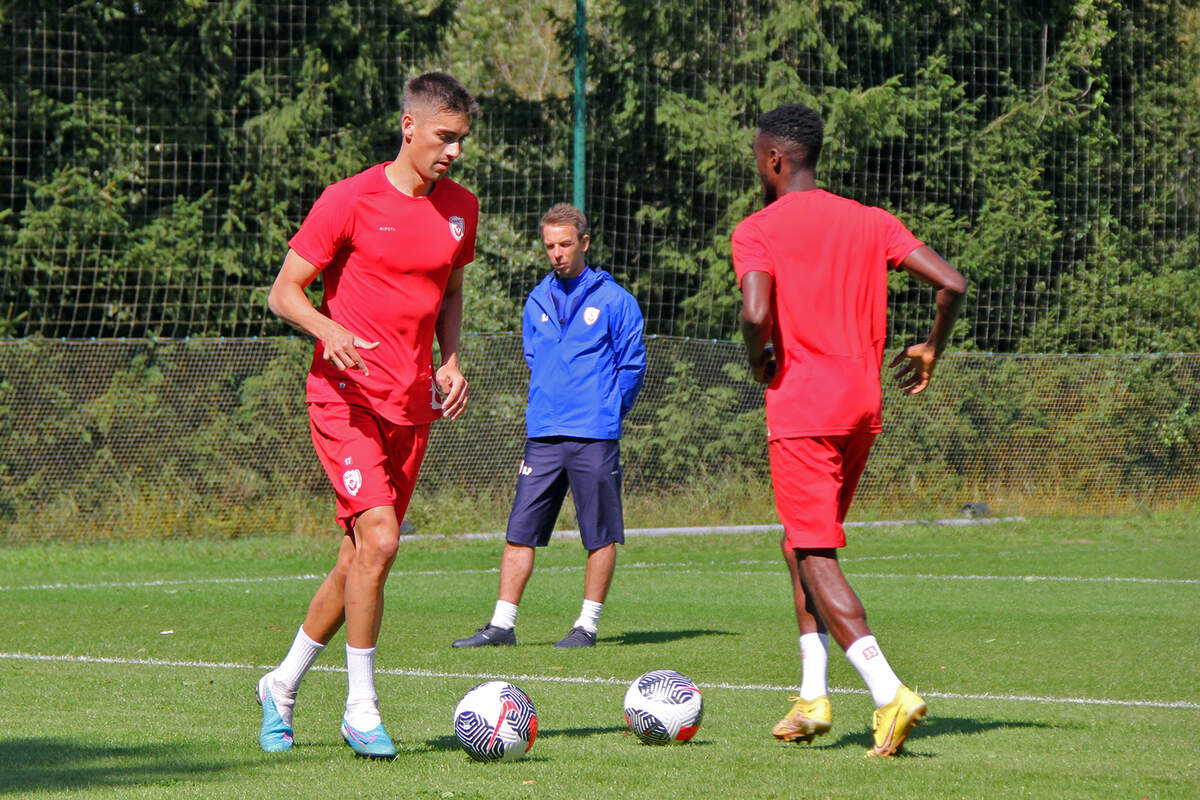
x,y
566,214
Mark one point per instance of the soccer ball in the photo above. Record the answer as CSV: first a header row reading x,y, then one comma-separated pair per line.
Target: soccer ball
x,y
495,721
663,706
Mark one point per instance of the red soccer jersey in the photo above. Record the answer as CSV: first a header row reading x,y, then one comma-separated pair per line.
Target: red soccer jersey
x,y
828,256
385,259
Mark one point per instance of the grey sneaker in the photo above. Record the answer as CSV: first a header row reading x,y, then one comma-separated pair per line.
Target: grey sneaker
x,y
488,634
578,637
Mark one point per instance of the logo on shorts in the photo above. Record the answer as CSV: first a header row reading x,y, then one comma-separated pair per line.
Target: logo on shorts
x,y
591,314
352,479
524,470
458,227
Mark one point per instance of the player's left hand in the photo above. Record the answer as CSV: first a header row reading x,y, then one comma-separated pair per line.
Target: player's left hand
x,y
914,376
453,386
764,372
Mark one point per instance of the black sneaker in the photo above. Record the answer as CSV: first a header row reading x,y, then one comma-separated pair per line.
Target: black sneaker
x,y
578,637
488,634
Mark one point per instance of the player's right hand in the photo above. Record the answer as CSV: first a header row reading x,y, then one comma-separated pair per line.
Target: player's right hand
x,y
341,350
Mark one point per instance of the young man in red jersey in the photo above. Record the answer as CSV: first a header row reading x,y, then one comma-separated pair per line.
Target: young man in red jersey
x,y
390,244
813,273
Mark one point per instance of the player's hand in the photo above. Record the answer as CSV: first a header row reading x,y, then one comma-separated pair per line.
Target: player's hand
x,y
764,371
453,386
341,350
915,375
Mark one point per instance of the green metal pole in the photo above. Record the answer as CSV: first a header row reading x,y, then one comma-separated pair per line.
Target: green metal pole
x,y
580,102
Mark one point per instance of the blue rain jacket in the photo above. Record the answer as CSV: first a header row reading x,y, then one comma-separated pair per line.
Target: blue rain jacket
x,y
585,354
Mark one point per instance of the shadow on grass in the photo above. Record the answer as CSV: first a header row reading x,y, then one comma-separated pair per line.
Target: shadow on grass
x,y
935,726
658,637
451,743
45,764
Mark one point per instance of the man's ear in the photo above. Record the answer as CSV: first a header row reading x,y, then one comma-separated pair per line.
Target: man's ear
x,y
407,124
775,160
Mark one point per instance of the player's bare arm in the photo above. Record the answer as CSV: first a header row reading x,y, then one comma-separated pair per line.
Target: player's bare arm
x,y
450,380
756,324
288,301
926,265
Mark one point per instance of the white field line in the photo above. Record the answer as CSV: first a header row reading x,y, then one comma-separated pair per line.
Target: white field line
x,y
733,530
611,681
676,567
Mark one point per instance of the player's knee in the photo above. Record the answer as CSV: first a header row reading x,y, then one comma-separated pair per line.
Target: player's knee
x,y
377,541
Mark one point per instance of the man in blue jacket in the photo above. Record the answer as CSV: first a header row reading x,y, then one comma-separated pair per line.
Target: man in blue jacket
x,y
583,342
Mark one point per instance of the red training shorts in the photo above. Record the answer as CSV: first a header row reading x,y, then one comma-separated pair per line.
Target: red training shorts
x,y
370,462
814,478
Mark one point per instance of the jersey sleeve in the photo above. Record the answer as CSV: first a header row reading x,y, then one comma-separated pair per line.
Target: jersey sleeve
x,y
898,241
750,252
325,228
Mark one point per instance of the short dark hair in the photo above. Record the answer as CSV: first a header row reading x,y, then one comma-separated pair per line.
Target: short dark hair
x,y
799,125
565,214
441,92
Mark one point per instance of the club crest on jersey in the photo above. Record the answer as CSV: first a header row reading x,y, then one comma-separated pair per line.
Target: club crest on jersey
x,y
458,227
352,479
591,314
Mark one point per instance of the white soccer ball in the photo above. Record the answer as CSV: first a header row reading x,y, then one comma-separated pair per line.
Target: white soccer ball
x,y
664,706
495,721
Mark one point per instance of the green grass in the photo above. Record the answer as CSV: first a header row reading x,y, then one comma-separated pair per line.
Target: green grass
x,y
1008,631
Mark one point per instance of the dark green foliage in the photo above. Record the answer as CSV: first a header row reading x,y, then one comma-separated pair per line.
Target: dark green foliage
x,y
158,155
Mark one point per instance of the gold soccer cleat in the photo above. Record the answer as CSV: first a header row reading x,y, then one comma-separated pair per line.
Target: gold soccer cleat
x,y
894,721
806,720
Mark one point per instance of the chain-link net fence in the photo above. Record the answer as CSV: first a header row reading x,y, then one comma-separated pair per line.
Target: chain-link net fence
x,y
155,158
119,439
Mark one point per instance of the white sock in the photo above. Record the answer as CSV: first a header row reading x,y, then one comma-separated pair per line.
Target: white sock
x,y
284,680
868,659
362,704
505,615
814,660
589,616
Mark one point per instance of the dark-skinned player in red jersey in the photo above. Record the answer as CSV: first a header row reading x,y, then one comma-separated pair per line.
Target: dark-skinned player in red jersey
x,y
813,273
390,245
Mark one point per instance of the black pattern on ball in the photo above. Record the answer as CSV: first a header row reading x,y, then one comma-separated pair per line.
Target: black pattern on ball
x,y
647,727
519,710
475,735
666,685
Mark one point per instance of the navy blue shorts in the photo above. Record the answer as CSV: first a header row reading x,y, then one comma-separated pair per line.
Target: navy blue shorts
x,y
592,470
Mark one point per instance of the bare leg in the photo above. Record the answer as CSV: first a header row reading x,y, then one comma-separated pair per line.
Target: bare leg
x,y
327,611
516,565
831,596
600,565
806,613
376,540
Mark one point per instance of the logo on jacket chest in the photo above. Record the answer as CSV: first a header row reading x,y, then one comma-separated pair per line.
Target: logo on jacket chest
x,y
458,228
590,315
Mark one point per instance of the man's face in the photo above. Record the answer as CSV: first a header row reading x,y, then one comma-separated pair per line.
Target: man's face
x,y
434,139
763,146
565,249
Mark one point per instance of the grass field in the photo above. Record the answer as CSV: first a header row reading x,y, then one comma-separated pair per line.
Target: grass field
x,y
1059,657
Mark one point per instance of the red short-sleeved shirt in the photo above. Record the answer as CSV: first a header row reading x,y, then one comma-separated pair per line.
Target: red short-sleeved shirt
x,y
828,256
385,260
